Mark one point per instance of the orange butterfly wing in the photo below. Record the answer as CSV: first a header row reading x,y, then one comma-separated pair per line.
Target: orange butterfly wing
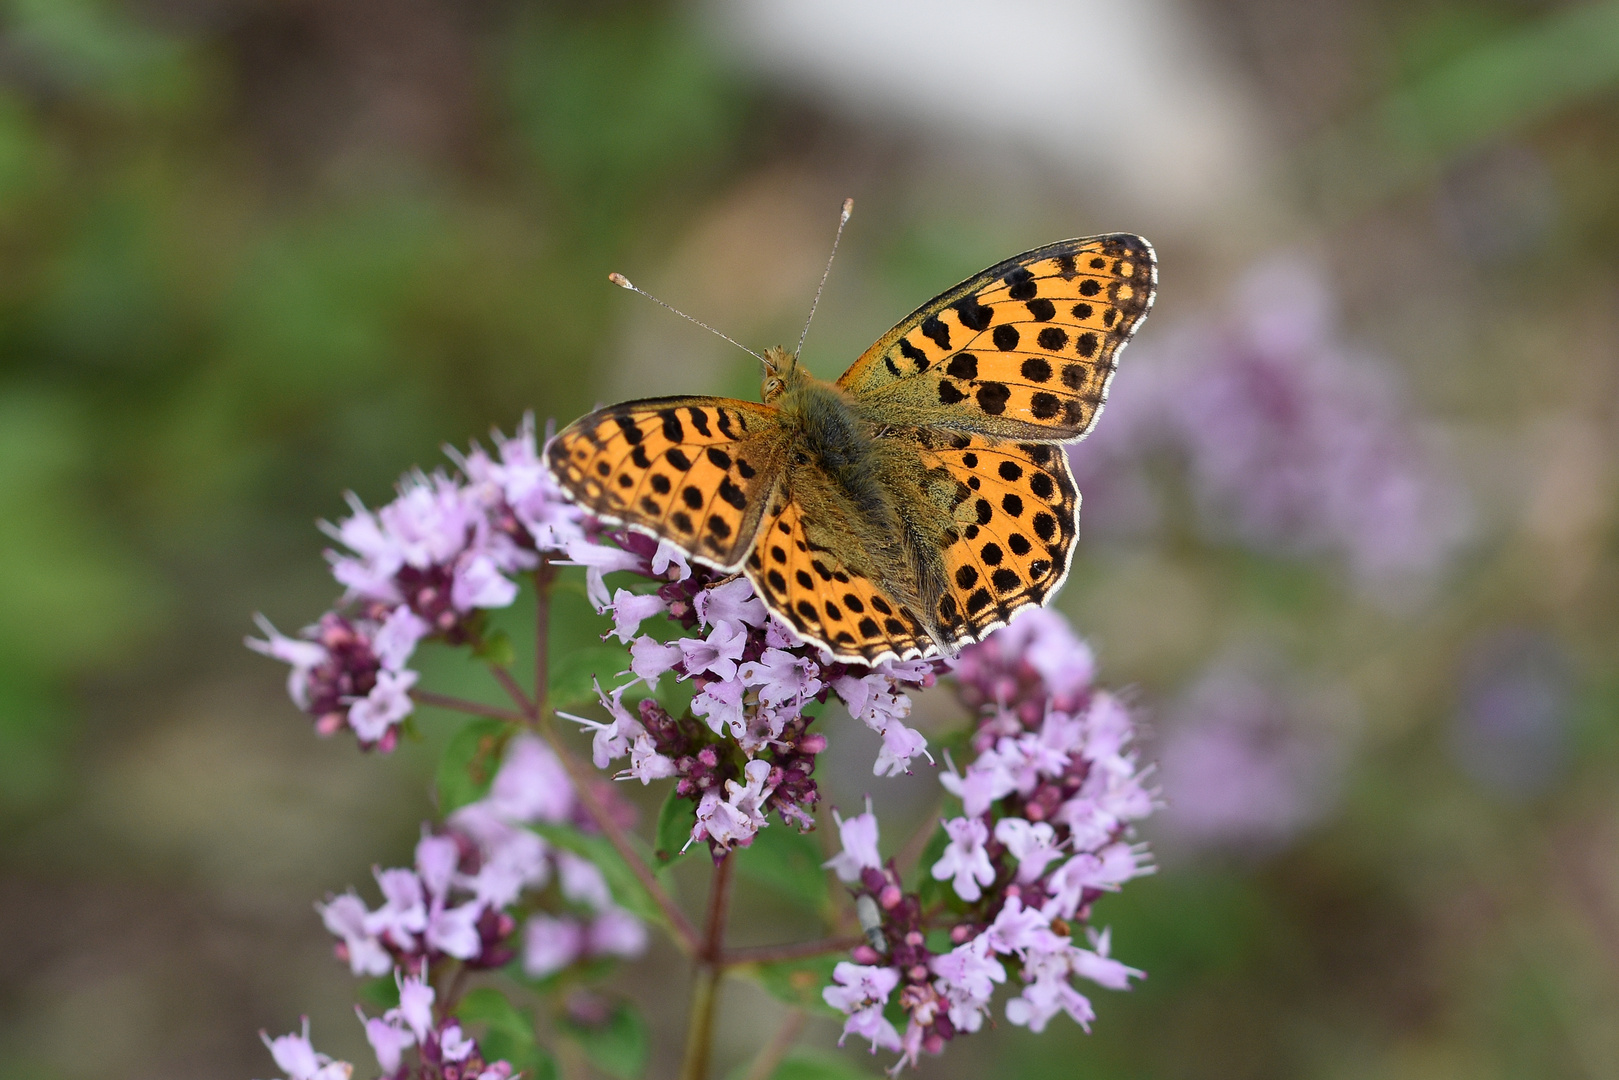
x,y
1024,350
1017,516
823,600
692,470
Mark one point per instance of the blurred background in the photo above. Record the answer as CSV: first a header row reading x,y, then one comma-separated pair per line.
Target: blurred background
x,y
1349,538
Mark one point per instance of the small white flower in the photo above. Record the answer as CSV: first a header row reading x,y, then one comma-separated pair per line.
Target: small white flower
x,y
965,859
858,835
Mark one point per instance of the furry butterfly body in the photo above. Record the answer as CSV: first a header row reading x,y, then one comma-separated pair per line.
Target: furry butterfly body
x,y
921,500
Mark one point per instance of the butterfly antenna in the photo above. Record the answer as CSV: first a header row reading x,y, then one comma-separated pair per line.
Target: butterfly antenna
x,y
624,283
848,208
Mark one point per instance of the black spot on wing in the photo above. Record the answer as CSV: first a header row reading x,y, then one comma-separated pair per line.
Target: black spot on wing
x,y
962,366
1022,285
992,397
913,354
673,429
626,425
973,315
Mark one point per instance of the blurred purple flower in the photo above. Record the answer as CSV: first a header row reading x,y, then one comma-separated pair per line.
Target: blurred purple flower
x,y
1292,442
1241,766
296,1056
550,944
1510,728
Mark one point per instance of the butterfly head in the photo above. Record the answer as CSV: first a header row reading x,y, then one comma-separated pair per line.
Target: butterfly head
x,y
781,372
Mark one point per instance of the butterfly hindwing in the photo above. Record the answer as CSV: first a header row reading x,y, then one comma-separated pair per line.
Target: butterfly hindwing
x,y
1015,527
1023,350
824,601
692,470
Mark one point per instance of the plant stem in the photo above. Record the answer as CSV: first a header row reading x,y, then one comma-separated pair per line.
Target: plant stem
x,y
530,711
706,979
799,950
770,1055
452,993
476,708
685,933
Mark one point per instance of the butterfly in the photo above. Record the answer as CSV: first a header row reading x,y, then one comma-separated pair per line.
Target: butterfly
x,y
917,503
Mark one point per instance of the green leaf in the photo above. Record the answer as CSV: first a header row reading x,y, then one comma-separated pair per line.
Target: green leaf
x,y
573,675
675,821
470,761
797,982
618,1047
788,861
508,1034
806,1064
383,992
626,887
496,648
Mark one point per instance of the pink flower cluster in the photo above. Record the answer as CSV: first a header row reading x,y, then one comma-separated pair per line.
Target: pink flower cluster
x,y
446,1053
296,1056
453,902
745,749
1045,829
428,564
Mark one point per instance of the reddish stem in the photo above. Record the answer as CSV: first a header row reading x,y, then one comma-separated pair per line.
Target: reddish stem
x,y
531,712
475,708
798,950
706,979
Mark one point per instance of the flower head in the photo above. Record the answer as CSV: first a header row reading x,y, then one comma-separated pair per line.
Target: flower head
x,y
1047,808
296,1056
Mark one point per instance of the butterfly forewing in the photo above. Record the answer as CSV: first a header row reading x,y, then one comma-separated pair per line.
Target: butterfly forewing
x,y
1016,519
823,600
692,470
1024,350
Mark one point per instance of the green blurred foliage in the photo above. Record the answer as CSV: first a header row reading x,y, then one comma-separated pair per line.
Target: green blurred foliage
x,y
789,863
619,1045
504,1032
211,328
200,358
